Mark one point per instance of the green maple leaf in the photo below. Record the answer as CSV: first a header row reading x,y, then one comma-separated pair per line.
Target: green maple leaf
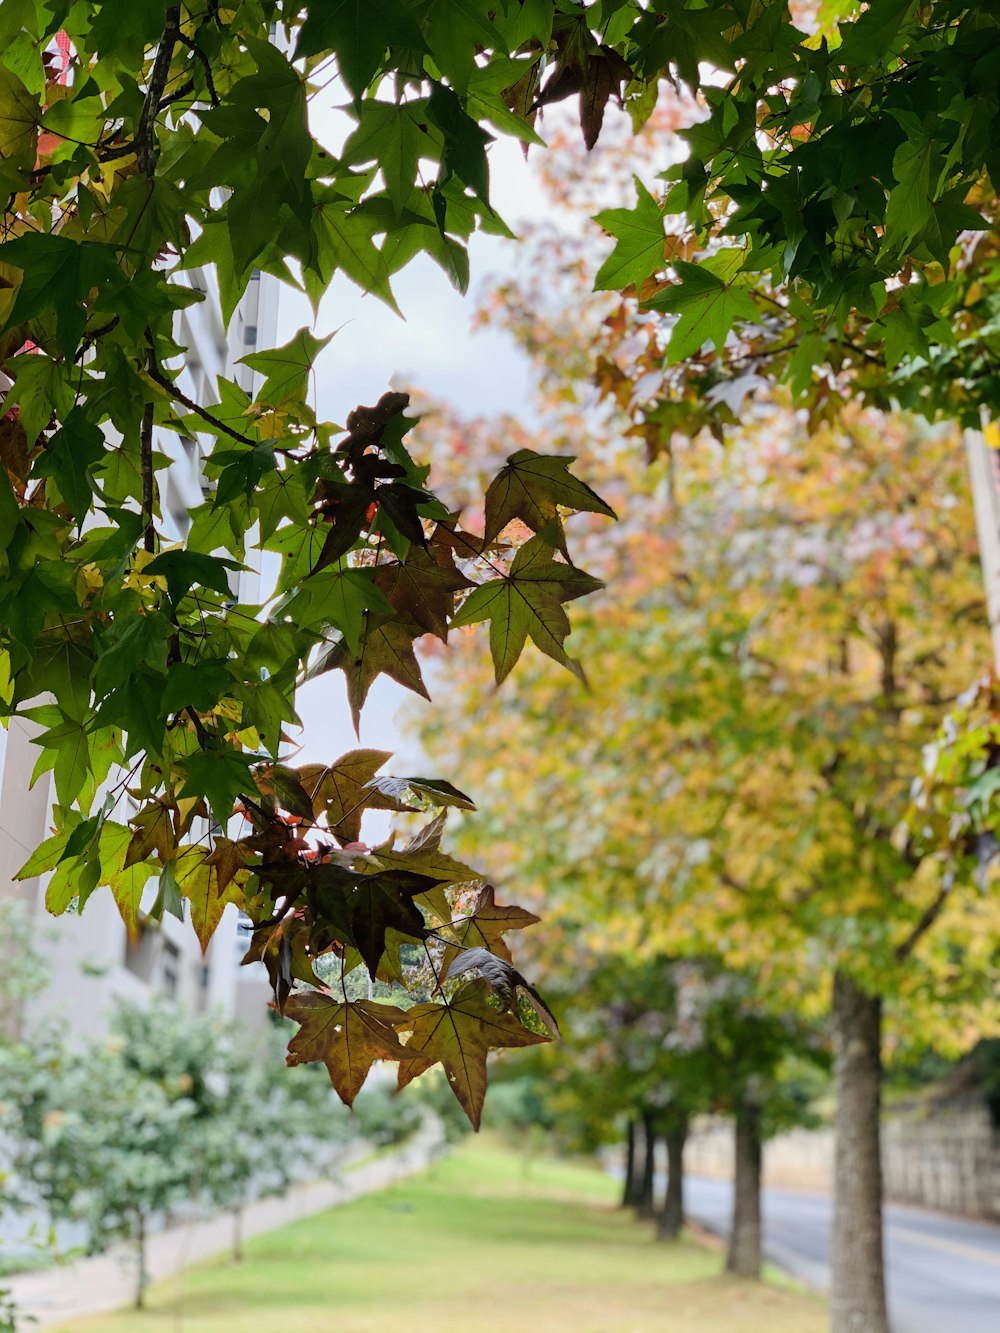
x,y
347,1037
707,308
183,570
908,208
69,457
459,1035
221,776
457,31
869,39
395,137
129,643
514,613
197,685
358,32
286,369
46,855
350,599
41,387
535,563
525,603
67,752
532,487
59,275
344,239
640,233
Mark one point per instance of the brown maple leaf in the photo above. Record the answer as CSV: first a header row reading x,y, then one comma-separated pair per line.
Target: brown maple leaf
x,y
386,649
603,75
424,587
483,927
348,1037
341,790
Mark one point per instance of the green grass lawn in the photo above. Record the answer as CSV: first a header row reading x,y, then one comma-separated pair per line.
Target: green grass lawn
x,y
475,1244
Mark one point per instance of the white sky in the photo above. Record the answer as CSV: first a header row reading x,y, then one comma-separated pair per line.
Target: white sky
x,y
477,373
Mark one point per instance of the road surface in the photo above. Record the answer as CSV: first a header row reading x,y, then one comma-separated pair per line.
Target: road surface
x,y
943,1273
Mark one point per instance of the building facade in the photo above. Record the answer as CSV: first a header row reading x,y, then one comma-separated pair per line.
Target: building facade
x,y
91,964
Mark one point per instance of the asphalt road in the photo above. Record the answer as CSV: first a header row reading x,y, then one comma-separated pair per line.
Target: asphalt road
x,y
943,1272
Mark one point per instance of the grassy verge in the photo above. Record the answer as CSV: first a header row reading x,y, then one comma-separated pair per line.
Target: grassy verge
x,y
476,1245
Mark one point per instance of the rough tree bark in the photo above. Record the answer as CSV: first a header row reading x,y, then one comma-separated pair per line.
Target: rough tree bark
x,y
745,1239
645,1202
857,1297
671,1218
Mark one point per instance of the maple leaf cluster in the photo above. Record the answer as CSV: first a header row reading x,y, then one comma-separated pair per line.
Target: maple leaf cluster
x,y
418,919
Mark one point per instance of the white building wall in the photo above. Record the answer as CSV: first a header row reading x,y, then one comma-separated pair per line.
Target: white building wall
x,y
90,963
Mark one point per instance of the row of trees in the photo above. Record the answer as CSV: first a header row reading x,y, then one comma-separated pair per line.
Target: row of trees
x,y
658,1041
793,613
169,1111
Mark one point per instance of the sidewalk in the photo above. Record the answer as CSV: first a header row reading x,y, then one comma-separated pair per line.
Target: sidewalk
x,y
107,1282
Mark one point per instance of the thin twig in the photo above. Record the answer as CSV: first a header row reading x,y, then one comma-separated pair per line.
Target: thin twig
x,y
203,59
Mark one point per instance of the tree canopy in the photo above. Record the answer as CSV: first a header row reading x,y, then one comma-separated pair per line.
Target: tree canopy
x,y
834,227
146,156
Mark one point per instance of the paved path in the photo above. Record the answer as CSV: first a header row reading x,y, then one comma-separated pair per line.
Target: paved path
x,y
107,1282
943,1273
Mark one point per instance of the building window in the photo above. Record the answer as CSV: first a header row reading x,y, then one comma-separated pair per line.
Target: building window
x,y
171,959
140,951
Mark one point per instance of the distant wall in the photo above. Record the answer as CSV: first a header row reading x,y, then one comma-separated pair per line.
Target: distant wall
x,y
801,1159
946,1158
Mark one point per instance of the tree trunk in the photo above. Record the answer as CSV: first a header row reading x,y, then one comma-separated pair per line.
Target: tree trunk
x,y
238,1233
744,1242
671,1219
630,1187
645,1202
140,1246
857,1297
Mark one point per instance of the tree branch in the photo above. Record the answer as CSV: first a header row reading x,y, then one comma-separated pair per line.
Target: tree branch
x,y
145,139
185,90
931,914
165,382
205,63
146,473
